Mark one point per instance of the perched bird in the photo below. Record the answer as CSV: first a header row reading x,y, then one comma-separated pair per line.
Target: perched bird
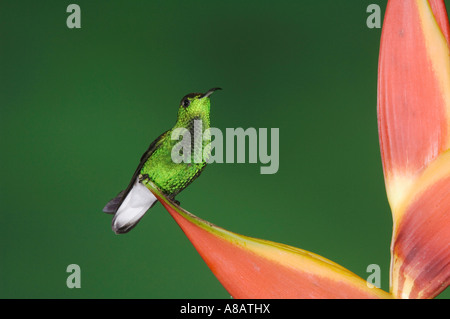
x,y
157,164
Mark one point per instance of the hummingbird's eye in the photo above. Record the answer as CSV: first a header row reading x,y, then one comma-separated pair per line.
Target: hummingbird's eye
x,y
186,102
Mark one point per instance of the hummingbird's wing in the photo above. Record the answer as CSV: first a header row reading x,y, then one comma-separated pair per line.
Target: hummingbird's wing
x,y
131,204
113,205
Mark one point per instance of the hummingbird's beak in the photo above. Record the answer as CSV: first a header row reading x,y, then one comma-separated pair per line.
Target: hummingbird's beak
x,y
207,94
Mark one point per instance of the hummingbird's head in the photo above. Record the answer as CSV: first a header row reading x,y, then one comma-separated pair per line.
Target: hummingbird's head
x,y
195,106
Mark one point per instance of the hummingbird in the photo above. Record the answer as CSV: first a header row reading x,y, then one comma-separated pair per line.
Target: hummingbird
x,y
157,165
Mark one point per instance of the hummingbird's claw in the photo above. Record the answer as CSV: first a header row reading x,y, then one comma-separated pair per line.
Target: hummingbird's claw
x,y
173,200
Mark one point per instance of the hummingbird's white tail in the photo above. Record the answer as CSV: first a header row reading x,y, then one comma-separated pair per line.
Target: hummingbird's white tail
x,y
136,203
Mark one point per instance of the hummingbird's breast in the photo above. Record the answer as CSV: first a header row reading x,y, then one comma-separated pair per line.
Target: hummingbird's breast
x,y
173,177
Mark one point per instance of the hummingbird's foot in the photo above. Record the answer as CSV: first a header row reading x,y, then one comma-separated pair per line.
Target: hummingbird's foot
x,y
143,178
174,200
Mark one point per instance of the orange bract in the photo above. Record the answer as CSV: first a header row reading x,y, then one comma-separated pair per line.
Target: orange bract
x,y
254,268
414,122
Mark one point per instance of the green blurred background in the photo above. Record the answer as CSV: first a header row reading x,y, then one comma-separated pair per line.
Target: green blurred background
x,y
80,106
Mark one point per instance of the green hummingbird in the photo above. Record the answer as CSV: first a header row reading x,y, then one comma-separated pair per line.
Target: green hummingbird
x,y
157,164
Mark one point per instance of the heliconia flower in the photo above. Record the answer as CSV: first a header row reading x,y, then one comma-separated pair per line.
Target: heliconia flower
x,y
253,268
414,131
